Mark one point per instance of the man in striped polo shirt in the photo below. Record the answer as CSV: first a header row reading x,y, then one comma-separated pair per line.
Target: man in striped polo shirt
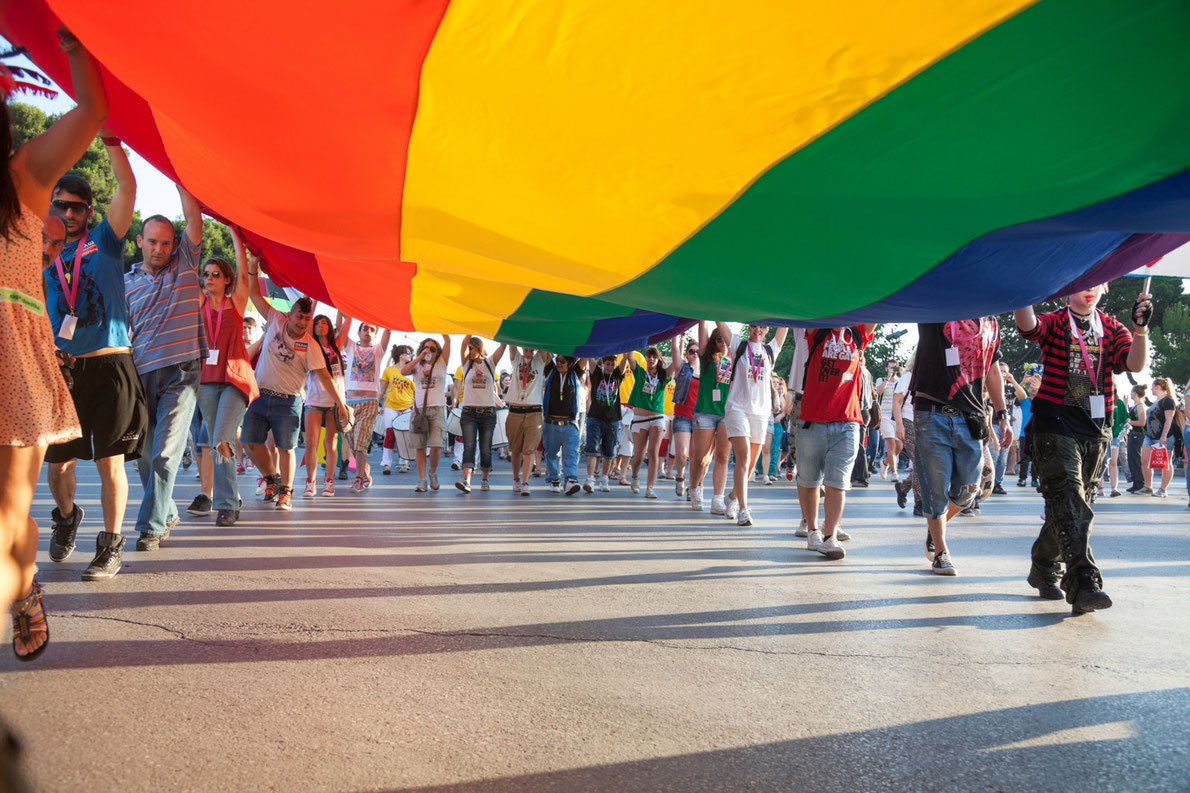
x,y
1081,349
168,345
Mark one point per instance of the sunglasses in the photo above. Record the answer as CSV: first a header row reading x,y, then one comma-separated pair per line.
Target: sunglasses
x,y
692,352
68,206
212,274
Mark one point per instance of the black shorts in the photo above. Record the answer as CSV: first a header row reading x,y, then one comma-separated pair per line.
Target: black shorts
x,y
111,407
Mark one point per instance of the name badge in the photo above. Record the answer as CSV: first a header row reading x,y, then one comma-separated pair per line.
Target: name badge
x,y
1098,406
848,377
300,346
952,356
716,396
212,357
68,324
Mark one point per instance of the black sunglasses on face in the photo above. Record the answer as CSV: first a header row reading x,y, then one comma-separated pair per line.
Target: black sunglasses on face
x,y
212,274
67,206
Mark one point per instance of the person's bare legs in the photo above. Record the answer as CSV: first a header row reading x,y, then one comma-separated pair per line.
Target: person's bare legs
x,y
656,435
701,444
1167,473
62,482
206,470
835,499
113,491
19,467
937,526
288,466
807,499
681,443
1145,454
1113,468
263,458
745,452
722,460
640,445
892,449
313,429
435,455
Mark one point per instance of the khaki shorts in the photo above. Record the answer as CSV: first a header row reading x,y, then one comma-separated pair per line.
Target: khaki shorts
x,y
524,432
365,419
436,437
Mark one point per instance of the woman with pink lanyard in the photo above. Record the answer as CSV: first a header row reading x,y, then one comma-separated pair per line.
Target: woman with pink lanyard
x,y
227,383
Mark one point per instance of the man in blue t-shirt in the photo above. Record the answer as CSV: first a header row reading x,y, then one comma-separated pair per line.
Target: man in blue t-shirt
x,y
168,348
85,300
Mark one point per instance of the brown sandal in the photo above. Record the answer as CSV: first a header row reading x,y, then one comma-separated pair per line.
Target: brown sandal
x,y
23,627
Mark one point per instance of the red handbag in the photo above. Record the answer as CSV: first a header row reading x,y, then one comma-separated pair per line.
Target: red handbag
x,y
1159,460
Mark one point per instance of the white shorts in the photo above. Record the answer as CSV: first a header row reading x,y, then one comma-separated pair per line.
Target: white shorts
x,y
888,427
741,425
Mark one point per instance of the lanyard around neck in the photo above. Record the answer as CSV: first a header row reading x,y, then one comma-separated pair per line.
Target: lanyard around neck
x,y
77,271
1083,349
217,323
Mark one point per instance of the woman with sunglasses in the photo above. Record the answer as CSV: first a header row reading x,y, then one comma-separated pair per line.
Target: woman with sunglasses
x,y
710,433
227,384
648,411
321,407
428,369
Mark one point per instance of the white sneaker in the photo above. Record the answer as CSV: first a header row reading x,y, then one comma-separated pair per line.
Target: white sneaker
x,y
649,493
841,535
732,507
770,480
635,485
589,485
1158,493
555,487
943,566
813,540
680,487
604,487
894,477
802,531
516,485
421,486
696,499
403,469
260,485
744,518
718,506
311,490
525,489
831,549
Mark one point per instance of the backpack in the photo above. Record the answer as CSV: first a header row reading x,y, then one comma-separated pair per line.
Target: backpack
x,y
739,353
682,383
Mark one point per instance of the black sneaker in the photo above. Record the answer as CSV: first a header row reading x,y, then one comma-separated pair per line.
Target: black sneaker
x,y
342,472
902,494
1020,483
62,538
929,547
917,513
148,541
387,470
201,505
271,486
108,550
999,490
1090,598
1046,589
227,517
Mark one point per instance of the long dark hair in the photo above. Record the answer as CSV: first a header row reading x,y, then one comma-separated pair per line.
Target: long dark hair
x,y
708,355
10,202
330,340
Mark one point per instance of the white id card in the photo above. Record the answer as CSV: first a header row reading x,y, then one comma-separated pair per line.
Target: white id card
x,y
67,329
1098,407
848,377
212,357
952,356
716,395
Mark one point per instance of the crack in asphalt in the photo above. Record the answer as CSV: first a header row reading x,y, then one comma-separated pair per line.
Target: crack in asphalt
x,y
562,638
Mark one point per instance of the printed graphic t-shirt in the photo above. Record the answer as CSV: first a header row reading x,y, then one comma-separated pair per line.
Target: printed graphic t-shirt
x,y
399,395
284,361
527,379
477,384
712,389
605,395
831,391
961,385
362,370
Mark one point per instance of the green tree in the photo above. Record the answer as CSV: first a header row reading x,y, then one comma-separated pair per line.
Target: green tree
x,y
216,242
1171,344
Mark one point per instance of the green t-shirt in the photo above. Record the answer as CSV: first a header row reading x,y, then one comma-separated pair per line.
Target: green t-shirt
x,y
648,391
1119,418
712,391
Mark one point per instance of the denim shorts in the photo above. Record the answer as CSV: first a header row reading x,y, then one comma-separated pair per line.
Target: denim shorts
x,y
602,437
282,415
707,421
1149,443
947,461
825,453
683,424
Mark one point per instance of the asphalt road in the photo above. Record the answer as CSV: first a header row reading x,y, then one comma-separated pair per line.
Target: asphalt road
x,y
394,641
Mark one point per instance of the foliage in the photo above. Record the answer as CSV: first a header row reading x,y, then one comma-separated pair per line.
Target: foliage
x,y
216,242
1171,344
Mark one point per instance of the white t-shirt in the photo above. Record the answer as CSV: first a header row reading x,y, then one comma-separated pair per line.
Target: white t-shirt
x,y
284,361
751,390
797,369
363,369
434,380
902,387
477,384
316,395
528,380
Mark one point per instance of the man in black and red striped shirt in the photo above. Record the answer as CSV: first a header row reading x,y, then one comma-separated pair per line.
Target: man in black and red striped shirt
x,y
1082,348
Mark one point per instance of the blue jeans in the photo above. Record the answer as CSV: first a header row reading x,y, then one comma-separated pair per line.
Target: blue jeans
x,y
1186,451
826,452
282,415
947,461
1001,463
560,438
601,438
223,406
479,422
170,394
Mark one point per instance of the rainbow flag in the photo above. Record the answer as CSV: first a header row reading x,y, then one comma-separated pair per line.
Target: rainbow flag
x,y
588,175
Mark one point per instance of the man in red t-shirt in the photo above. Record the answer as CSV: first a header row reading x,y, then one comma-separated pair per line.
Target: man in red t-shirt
x,y
827,430
1081,349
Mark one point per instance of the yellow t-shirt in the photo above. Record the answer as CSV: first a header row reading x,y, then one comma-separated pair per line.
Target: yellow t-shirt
x,y
399,395
629,379
669,397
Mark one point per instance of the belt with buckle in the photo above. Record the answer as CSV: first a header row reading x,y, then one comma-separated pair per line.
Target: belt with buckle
x,y
524,408
945,410
271,393
559,422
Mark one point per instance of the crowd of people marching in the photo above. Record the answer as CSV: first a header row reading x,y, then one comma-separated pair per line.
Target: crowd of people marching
x,y
110,366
